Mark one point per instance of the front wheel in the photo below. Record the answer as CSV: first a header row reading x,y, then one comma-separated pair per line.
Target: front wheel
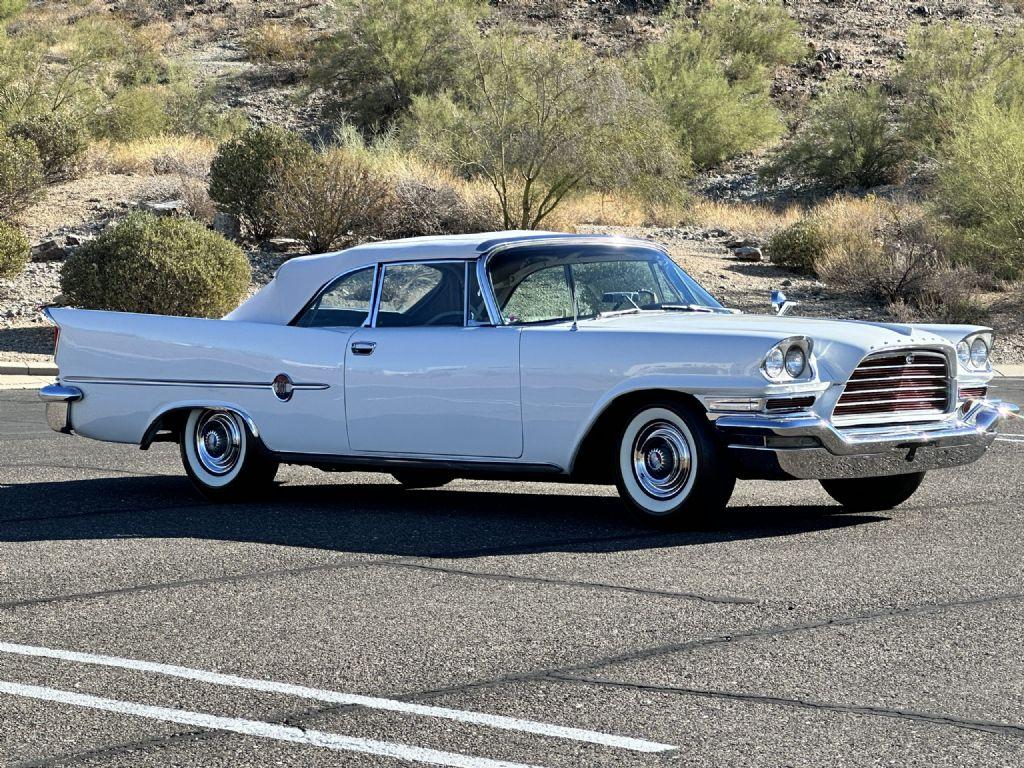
x,y
222,457
873,494
669,466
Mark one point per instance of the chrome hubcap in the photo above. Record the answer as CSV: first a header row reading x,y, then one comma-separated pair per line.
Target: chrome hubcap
x,y
661,459
218,442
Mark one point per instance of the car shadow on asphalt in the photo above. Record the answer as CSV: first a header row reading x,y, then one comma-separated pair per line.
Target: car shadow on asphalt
x,y
379,518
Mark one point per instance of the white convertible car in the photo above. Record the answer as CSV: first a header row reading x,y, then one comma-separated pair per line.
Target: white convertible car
x,y
530,355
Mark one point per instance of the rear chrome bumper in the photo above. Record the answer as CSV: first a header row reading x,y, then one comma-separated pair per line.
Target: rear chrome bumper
x,y
58,399
807,447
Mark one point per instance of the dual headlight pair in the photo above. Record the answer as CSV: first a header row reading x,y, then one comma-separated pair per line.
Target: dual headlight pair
x,y
787,360
973,352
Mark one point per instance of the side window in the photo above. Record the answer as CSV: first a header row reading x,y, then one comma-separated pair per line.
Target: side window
x,y
422,294
345,303
543,295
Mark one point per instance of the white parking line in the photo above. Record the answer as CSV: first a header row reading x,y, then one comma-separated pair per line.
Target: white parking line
x,y
1010,438
258,728
335,697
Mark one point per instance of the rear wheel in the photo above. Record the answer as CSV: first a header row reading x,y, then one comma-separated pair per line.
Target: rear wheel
x,y
873,494
669,466
422,478
222,457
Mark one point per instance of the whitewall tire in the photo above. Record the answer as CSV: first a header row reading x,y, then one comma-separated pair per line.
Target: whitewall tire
x,y
668,465
221,455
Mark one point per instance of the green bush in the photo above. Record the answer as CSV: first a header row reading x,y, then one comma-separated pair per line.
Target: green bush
x,y
11,8
59,140
847,141
164,266
136,113
192,110
242,174
21,176
14,250
388,51
980,188
800,246
713,81
753,35
948,66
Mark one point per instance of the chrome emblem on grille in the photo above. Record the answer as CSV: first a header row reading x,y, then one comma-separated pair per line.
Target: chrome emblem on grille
x,y
910,359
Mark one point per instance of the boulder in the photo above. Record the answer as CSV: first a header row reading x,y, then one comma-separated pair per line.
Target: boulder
x,y
165,208
228,225
748,253
52,249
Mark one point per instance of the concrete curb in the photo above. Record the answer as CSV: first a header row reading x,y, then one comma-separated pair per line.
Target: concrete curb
x,y
27,369
1010,371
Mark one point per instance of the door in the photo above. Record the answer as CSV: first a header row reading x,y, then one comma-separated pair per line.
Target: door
x,y
426,379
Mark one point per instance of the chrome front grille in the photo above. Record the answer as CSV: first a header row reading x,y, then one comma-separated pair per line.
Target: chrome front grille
x,y
910,382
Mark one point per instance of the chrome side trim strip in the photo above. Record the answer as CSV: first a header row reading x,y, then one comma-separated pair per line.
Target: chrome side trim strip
x,y
188,383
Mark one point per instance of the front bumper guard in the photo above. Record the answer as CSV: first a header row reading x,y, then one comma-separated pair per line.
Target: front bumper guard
x,y
58,399
808,447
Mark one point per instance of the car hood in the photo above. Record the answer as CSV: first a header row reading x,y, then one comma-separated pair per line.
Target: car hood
x,y
839,345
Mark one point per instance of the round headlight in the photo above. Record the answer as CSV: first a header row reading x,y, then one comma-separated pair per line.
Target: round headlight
x,y
979,353
796,362
775,363
963,353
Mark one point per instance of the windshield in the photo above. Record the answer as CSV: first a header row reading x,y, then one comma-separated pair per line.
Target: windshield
x,y
536,284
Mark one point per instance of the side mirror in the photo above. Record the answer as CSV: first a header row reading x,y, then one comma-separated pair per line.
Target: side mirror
x,y
781,304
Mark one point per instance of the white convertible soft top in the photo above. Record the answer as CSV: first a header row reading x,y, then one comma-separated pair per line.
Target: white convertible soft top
x,y
299,279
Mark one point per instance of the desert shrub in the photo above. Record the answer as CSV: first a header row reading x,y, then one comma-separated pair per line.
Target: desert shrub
x,y
195,194
11,8
327,199
800,246
242,174
430,202
192,110
715,115
164,266
388,51
136,113
753,35
847,141
60,142
21,176
946,67
273,43
540,121
14,251
980,187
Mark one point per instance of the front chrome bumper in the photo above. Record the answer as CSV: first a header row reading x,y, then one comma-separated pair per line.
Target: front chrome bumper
x,y
808,447
58,399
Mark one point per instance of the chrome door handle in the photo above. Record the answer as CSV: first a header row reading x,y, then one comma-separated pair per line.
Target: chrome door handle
x,y
363,347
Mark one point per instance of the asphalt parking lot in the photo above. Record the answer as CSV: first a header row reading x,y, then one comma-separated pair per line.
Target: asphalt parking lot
x,y
345,621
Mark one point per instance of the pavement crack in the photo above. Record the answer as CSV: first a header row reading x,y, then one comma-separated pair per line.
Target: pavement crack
x,y
932,718
595,585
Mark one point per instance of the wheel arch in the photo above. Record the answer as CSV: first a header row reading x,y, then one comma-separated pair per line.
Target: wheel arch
x,y
591,460
171,420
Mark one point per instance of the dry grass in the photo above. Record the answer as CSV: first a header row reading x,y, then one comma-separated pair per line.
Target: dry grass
x,y
613,210
182,155
275,43
747,219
